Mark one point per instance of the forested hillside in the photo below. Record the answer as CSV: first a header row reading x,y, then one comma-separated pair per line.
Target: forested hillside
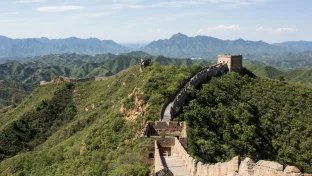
x,y
22,78
300,75
92,128
52,132
250,116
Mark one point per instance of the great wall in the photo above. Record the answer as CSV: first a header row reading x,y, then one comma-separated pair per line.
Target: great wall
x,y
169,154
60,79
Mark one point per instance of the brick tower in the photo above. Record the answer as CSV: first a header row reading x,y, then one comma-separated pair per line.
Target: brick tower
x,y
233,61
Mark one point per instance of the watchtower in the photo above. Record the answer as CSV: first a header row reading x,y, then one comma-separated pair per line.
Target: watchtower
x,y
233,61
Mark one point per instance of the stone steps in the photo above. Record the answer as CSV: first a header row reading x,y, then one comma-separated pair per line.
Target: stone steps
x,y
175,165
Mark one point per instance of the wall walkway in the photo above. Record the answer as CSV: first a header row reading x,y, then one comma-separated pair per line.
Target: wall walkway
x,y
177,100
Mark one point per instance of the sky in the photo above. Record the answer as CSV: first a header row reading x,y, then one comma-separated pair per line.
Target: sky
x,y
142,21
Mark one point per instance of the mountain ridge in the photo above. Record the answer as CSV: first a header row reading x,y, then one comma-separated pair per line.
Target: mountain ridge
x,y
42,46
180,45
300,45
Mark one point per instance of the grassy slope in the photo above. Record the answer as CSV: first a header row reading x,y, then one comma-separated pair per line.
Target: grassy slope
x,y
98,141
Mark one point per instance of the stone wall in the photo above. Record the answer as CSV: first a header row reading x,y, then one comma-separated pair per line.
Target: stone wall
x,y
170,128
172,138
158,163
61,79
178,99
233,167
269,168
234,61
42,83
164,132
164,141
189,161
82,79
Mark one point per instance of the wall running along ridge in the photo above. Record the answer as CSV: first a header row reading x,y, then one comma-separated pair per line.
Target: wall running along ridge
x,y
234,167
176,101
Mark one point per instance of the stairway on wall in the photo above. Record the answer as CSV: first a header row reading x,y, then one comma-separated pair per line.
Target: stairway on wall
x,y
167,114
175,165
181,94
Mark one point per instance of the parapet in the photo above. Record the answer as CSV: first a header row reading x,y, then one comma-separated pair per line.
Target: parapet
x,y
161,128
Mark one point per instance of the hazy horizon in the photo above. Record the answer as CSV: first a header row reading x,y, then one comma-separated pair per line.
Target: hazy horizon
x,y
134,21
147,42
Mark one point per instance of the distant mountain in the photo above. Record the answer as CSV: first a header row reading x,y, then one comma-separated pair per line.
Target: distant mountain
x,y
299,45
43,46
133,46
182,46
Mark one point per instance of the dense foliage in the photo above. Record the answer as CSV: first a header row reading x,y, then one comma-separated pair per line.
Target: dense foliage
x,y
35,126
74,141
250,116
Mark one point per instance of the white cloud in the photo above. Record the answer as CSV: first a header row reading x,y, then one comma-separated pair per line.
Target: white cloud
x,y
221,28
285,30
29,1
58,8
